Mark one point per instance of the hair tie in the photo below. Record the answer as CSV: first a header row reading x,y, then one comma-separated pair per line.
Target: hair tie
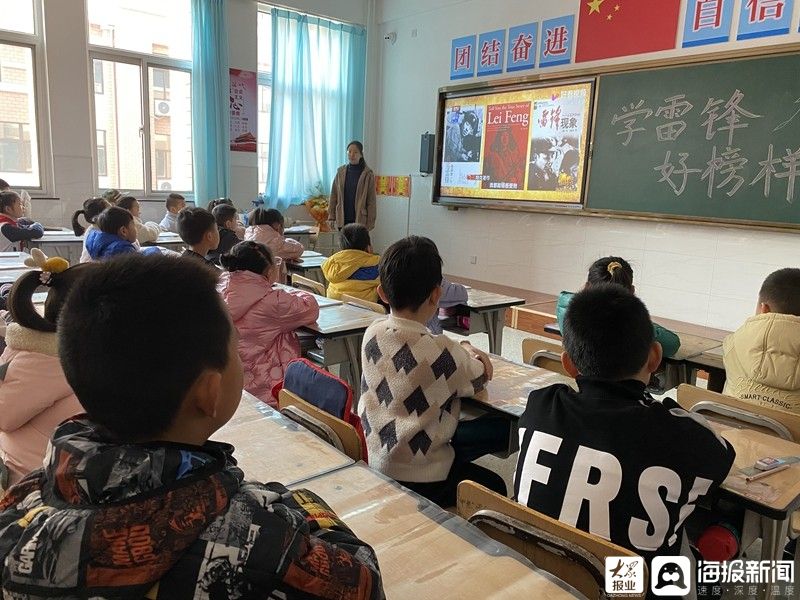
x,y
48,266
613,266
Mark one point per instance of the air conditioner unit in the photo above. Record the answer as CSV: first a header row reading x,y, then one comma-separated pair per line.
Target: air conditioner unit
x,y
161,108
165,185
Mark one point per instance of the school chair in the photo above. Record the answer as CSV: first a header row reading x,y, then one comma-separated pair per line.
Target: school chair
x,y
336,432
574,556
724,408
546,355
309,285
373,306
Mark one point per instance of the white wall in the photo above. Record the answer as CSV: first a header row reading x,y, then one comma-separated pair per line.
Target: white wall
x,y
701,274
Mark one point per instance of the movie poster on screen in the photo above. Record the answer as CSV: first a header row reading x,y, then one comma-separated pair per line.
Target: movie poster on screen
x,y
506,141
463,138
243,110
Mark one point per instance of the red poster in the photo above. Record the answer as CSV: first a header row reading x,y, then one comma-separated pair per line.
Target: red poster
x,y
243,110
608,28
505,145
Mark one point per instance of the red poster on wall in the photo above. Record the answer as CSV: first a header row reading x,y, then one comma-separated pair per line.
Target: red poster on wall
x,y
243,110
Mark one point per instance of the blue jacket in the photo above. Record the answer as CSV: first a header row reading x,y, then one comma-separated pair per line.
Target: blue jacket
x,y
101,245
670,342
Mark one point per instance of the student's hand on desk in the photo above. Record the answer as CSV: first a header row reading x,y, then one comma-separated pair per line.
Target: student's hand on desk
x,y
488,369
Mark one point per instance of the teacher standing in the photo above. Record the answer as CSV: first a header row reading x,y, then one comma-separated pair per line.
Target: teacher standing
x,y
353,191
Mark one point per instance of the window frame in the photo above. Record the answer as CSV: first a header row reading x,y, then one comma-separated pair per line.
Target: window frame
x,y
145,62
41,118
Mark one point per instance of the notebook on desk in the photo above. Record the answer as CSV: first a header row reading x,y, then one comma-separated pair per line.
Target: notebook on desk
x,y
298,229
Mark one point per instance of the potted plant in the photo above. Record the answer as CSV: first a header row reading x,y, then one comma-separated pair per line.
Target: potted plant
x,y
317,205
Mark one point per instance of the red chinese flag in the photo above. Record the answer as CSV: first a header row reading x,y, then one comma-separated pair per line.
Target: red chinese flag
x,y
609,28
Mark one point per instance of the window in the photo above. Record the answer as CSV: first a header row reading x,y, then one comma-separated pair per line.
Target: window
x,y
143,93
99,78
19,148
264,93
102,157
18,16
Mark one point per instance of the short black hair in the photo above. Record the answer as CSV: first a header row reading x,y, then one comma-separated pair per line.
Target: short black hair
x,y
607,332
7,198
126,305
265,216
354,237
223,213
410,270
611,269
174,200
112,218
4,185
126,202
217,201
781,290
193,223
248,256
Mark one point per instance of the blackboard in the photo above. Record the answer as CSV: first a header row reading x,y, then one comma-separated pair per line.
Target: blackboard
x,y
715,141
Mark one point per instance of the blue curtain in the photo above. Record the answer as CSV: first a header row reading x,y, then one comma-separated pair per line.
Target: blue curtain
x,y
210,100
318,84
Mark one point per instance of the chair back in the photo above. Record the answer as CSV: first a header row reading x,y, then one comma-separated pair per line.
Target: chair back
x,y
373,306
309,285
336,432
541,353
728,409
574,556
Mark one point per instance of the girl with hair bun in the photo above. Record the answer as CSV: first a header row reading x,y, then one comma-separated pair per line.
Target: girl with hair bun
x,y
34,394
92,208
265,316
613,269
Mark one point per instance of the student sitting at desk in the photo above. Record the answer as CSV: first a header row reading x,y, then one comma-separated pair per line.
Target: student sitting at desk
x,y
266,317
13,234
613,269
354,269
266,226
609,459
146,233
226,217
175,203
413,382
134,501
34,394
761,357
198,228
115,234
238,226
92,208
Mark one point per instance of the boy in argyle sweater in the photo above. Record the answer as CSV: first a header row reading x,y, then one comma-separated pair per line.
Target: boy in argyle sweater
x,y
413,383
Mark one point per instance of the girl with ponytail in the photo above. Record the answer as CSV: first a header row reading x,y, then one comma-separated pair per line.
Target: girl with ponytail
x,y
266,317
34,394
613,269
90,211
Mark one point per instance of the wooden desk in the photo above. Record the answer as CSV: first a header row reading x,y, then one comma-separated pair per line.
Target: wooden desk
x,y
310,267
322,301
511,384
11,275
270,447
342,327
711,362
310,253
487,313
70,246
13,261
425,552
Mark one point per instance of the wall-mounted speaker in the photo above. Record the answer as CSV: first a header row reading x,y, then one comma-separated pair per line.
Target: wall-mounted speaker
x,y
427,147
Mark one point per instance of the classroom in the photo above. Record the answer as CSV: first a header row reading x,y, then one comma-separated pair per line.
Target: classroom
x,y
399,299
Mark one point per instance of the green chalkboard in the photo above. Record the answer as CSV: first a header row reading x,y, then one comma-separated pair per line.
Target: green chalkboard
x,y
694,142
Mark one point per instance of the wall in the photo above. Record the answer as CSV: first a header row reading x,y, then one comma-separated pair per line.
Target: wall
x,y
701,274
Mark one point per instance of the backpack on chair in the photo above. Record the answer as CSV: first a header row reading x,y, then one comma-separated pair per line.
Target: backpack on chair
x,y
324,390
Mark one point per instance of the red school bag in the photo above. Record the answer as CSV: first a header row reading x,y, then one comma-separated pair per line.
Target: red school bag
x,y
324,390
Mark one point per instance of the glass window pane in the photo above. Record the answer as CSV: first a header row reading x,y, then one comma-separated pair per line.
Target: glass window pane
x,y
264,42
160,27
170,129
118,112
17,15
19,156
264,104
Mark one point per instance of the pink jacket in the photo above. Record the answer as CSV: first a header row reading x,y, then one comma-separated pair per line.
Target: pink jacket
x,y
34,398
285,248
266,319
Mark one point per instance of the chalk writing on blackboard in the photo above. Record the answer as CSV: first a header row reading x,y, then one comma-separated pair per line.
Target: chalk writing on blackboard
x,y
732,116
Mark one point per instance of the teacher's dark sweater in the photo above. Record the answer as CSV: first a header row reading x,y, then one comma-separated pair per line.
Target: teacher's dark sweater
x,y
350,187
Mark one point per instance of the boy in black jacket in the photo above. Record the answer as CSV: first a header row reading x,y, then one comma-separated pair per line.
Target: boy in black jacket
x,y
609,459
226,217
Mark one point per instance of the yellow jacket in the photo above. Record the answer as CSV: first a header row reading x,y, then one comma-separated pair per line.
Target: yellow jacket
x,y
352,272
762,361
